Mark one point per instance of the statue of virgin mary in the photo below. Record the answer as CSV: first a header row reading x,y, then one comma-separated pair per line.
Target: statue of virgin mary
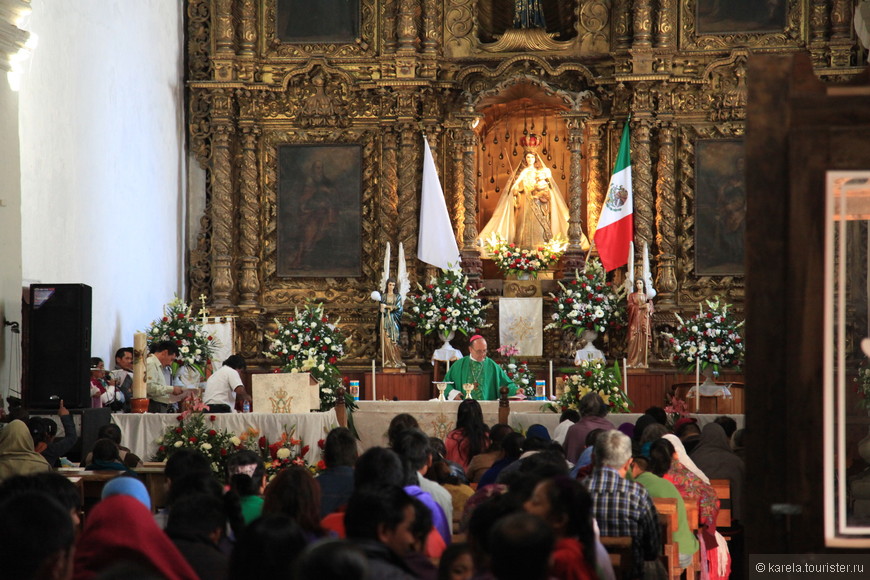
x,y
531,211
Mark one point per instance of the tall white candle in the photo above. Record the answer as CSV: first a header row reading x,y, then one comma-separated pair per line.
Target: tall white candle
x,y
625,376
697,385
139,365
552,384
374,382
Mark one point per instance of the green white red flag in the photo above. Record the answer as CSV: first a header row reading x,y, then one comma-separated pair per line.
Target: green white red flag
x,y
616,225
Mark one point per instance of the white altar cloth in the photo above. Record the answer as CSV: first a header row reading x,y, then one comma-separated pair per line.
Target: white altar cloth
x,y
139,432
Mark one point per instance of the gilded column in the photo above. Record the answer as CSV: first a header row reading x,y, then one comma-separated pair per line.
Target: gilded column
x,y
389,209
408,201
574,256
642,24
641,162
247,39
622,24
471,262
389,26
666,216
406,29
249,238
594,176
457,193
430,27
665,18
222,209
224,37
819,24
841,43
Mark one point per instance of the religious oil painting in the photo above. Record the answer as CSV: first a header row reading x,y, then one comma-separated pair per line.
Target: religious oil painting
x,y
720,207
304,21
740,16
319,216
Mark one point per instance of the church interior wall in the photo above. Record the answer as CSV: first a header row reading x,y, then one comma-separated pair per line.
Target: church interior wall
x,y
103,174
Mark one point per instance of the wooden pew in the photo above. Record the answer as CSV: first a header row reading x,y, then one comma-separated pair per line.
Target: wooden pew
x,y
621,555
667,509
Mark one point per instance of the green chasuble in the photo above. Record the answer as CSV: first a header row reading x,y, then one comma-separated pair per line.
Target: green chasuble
x,y
488,375
661,487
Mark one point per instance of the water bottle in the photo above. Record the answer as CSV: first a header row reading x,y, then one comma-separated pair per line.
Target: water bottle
x,y
246,406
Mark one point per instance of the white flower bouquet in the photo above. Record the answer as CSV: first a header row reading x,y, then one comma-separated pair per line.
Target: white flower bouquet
x,y
709,338
588,302
447,304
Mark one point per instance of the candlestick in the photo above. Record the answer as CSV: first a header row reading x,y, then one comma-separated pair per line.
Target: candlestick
x,y
139,355
552,385
697,385
625,377
374,382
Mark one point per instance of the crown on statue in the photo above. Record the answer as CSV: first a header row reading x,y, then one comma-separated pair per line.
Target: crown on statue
x,y
530,143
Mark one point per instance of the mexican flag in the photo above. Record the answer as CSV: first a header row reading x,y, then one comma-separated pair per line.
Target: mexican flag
x,y
616,224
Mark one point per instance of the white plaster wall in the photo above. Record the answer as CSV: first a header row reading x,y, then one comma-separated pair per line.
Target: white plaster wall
x,y
103,169
10,241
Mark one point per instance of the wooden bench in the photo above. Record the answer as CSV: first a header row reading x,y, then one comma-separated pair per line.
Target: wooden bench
x,y
667,510
619,548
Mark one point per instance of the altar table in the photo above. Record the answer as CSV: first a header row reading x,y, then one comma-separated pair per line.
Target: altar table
x,y
139,432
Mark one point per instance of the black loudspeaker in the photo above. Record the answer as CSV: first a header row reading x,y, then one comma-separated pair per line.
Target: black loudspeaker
x,y
59,347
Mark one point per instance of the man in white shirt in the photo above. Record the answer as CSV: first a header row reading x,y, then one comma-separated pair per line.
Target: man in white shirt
x,y
225,386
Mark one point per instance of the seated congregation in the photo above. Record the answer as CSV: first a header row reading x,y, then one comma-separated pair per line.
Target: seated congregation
x,y
486,502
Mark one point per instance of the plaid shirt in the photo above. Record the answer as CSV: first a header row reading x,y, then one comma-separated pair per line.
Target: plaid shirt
x,y
624,508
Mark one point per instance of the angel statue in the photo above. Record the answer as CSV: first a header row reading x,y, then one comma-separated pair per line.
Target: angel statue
x,y
640,309
391,299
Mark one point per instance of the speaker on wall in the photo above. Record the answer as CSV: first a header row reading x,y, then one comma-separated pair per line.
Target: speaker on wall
x,y
59,347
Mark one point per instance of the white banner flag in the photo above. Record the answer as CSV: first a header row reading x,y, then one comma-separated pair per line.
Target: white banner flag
x,y
437,243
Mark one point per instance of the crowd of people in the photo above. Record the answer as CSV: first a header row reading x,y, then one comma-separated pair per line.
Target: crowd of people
x,y
485,502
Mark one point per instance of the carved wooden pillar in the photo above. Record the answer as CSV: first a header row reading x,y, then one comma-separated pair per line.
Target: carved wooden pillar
x,y
641,162
389,209
819,24
574,255
642,24
430,27
841,44
406,29
247,39
458,181
665,18
222,206
471,262
595,175
389,20
224,37
408,201
666,217
249,238
622,24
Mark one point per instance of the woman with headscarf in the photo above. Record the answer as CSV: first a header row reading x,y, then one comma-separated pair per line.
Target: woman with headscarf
x,y
714,456
17,456
120,529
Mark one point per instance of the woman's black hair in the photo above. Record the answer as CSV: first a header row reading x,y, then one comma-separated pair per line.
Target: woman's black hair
x,y
469,420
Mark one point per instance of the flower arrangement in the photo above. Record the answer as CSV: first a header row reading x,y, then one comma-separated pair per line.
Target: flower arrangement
x,y
593,375
195,345
308,343
588,302
518,372
710,339
447,304
675,409
286,451
195,430
511,259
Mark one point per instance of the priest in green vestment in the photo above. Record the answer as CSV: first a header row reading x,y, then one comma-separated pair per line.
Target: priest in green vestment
x,y
479,370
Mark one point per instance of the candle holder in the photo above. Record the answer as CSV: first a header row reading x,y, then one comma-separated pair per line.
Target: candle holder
x,y
468,387
442,386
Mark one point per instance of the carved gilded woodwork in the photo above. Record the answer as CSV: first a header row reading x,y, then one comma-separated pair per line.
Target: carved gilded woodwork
x,y
429,65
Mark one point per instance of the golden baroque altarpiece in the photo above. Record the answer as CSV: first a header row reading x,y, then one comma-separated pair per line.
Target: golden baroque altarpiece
x,y
460,73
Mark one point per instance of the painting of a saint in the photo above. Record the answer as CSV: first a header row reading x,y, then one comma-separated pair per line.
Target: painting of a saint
x,y
720,207
319,188
727,16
